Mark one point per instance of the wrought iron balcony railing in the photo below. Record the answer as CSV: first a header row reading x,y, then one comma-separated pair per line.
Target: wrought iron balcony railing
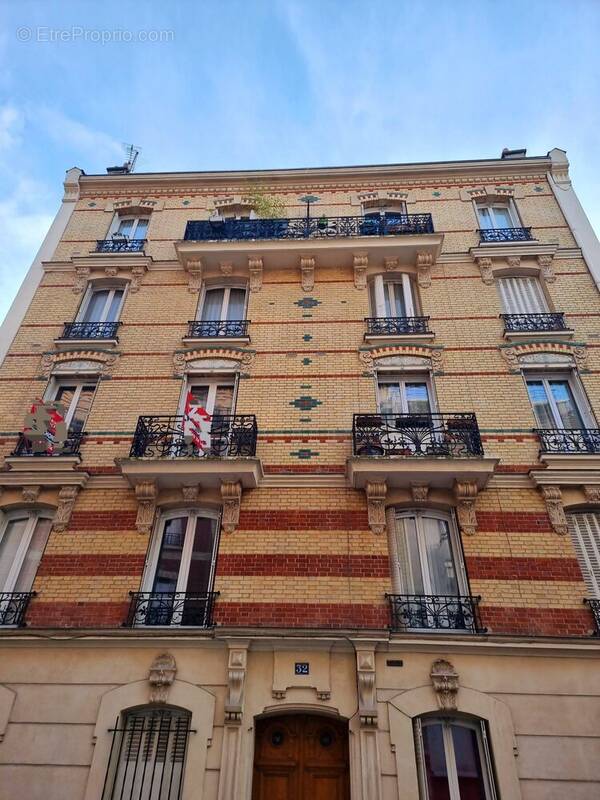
x,y
301,228
90,330
529,323
171,608
435,612
569,440
396,326
120,245
231,436
25,447
505,235
417,435
217,329
594,604
13,606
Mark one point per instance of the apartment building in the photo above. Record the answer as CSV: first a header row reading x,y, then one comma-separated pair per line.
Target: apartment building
x,y
304,504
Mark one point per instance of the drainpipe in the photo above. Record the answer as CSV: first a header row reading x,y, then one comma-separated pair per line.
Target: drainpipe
x,y
16,313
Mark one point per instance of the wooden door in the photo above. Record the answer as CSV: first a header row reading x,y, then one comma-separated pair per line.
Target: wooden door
x,y
301,757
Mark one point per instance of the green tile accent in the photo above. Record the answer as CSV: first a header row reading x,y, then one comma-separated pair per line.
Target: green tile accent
x,y
307,361
304,419
305,403
306,385
307,337
307,302
304,453
436,194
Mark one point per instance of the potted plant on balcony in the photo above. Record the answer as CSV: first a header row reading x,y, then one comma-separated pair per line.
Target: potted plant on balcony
x,y
322,223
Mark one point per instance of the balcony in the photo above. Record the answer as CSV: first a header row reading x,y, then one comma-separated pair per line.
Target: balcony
x,y
190,609
404,448
594,604
13,606
496,235
120,245
218,329
26,447
389,327
90,330
435,612
569,441
534,323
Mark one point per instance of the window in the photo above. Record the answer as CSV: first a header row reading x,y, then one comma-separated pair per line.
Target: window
x,y
102,305
497,215
557,402
77,397
522,296
393,297
216,396
181,570
389,210
584,527
403,395
453,759
226,303
148,755
23,537
130,227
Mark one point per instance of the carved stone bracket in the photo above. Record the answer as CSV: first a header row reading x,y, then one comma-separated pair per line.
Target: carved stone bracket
x,y
391,264
513,261
161,677
367,699
231,492
145,493
307,269
189,493
444,680
592,494
30,493
466,493
226,268
361,263
66,500
82,275
137,273
255,269
236,679
420,492
376,493
194,270
546,268
424,265
553,498
485,268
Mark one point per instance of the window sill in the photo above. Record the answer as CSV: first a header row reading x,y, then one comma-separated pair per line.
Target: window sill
x,y
519,336
399,338
84,343
196,340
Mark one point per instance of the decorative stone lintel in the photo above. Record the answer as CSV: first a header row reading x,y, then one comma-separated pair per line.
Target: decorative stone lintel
x,y
360,263
189,493
592,493
31,493
420,492
485,268
66,500
194,270
445,682
365,674
255,270
465,493
553,498
514,261
307,270
424,265
390,264
226,268
105,361
376,493
161,677
231,493
146,494
236,679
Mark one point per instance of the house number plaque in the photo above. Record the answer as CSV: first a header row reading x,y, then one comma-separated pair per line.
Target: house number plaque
x,y
301,668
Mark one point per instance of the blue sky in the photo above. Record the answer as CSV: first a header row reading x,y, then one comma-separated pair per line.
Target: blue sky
x,y
283,83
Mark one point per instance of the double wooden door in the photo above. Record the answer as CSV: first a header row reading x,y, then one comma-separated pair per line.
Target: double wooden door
x,y
301,757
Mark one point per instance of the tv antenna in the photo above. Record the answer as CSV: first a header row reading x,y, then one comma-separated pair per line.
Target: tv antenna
x,y
132,151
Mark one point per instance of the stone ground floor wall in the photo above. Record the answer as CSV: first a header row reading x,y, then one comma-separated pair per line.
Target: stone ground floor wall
x,y
59,696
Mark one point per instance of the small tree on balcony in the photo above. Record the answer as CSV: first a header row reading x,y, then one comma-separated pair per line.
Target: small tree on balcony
x,y
266,206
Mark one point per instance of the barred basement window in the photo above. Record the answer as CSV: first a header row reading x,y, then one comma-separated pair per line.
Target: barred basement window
x,y
147,756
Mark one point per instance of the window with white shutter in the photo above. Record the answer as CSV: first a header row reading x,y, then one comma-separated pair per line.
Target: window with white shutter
x,y
584,528
522,296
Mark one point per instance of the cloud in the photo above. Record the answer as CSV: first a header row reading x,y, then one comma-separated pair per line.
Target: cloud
x,y
74,135
11,127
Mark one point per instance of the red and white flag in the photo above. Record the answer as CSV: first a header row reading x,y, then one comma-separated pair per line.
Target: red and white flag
x,y
196,424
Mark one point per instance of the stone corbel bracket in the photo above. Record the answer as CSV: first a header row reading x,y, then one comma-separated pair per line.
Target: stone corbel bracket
x,y
445,682
160,677
492,259
465,493
146,495
307,271
236,680
592,494
255,271
231,493
425,262
66,500
194,267
376,493
360,264
554,505
365,675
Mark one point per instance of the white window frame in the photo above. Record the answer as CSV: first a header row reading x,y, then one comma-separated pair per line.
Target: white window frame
x,y
384,207
119,218
519,296
508,204
79,382
581,402
212,381
19,559
381,286
485,757
588,553
151,565
394,514
225,305
382,376
94,287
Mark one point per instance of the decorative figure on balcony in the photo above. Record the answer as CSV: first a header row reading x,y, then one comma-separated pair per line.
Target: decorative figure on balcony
x,y
444,680
197,424
45,429
161,677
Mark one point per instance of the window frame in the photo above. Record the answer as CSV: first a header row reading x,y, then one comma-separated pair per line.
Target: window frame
x,y
370,208
119,218
548,308
33,518
590,571
380,287
581,402
227,287
94,287
79,381
508,203
212,381
393,376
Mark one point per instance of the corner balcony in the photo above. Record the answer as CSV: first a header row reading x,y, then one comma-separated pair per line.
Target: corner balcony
x,y
436,449
499,235
120,245
334,241
189,609
411,612
13,607
84,332
523,326
163,451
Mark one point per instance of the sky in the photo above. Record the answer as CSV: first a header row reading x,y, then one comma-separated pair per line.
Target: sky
x,y
253,84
